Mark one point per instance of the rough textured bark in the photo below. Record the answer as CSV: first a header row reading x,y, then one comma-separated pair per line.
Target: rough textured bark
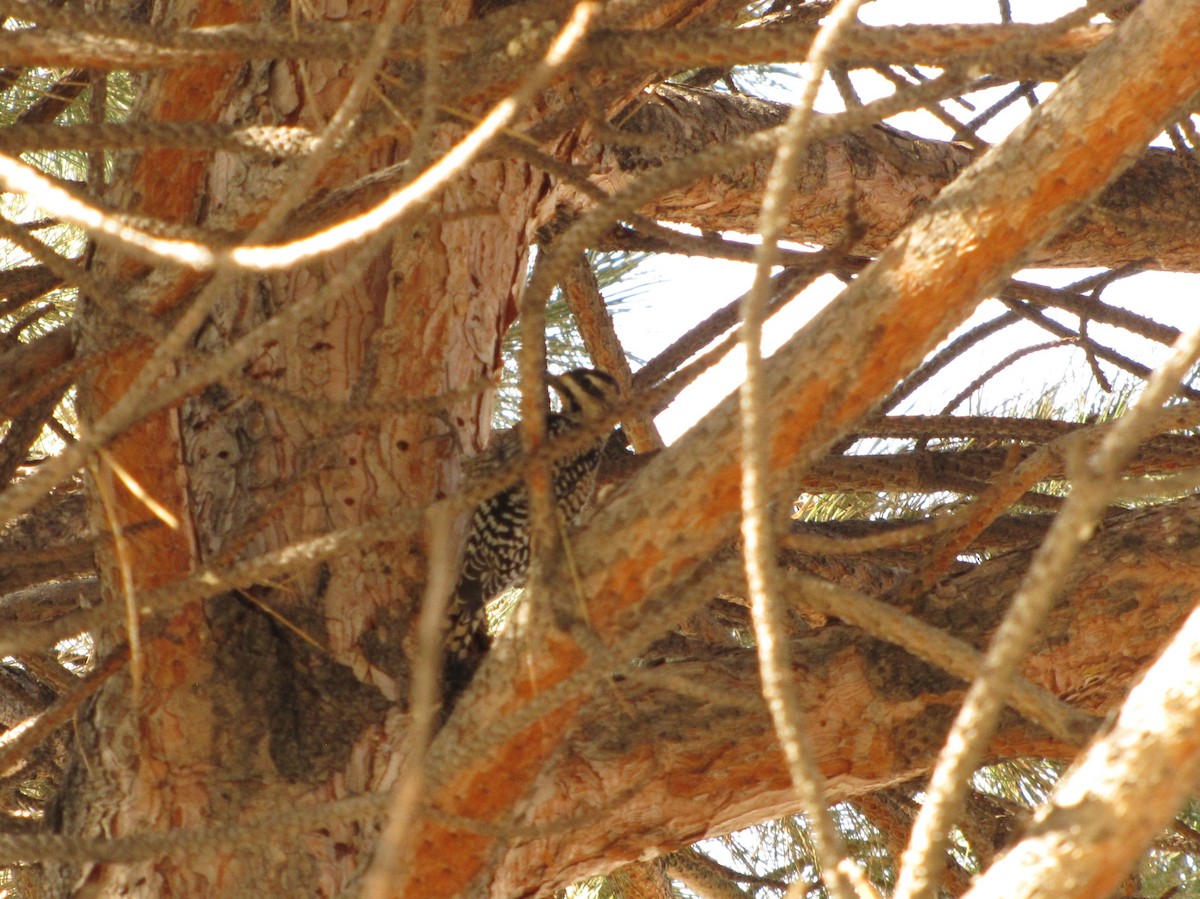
x,y
924,284
236,714
1050,51
1119,794
644,748
291,692
1143,217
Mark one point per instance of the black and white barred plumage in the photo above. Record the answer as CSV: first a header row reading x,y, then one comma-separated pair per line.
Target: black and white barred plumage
x,y
496,553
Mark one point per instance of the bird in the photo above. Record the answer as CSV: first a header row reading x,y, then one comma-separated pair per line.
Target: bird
x,y
496,550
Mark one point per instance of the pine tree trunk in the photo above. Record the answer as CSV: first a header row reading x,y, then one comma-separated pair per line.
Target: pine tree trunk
x,y
291,692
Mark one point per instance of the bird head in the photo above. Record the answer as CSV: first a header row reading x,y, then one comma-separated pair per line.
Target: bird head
x,y
586,392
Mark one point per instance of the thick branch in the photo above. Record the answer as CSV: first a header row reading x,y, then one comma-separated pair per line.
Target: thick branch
x,y
664,766
1084,841
1144,216
965,470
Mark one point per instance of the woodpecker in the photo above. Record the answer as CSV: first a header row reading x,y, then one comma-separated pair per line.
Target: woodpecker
x,y
496,552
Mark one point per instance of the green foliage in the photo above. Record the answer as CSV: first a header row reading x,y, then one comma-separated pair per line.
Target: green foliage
x,y
623,281
1174,871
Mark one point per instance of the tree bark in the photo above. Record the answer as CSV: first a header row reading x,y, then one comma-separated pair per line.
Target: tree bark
x,y
290,692
660,762
282,693
1144,216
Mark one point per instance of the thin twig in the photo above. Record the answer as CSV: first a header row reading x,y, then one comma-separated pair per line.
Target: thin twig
x,y
762,576
18,742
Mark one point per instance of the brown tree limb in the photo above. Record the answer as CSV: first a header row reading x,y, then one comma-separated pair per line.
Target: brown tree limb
x,y
1048,52
869,725
1143,217
725,754
1119,795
